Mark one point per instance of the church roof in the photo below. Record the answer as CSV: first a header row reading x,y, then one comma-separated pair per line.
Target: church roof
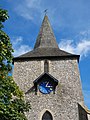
x,y
46,53
46,45
84,107
46,37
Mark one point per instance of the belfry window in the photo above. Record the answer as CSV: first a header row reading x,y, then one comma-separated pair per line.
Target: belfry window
x,y
47,116
46,66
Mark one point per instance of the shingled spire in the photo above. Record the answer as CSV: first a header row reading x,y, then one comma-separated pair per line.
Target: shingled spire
x,y
46,46
46,38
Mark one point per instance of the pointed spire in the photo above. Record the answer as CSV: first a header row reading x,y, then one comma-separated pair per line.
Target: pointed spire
x,y
46,46
46,37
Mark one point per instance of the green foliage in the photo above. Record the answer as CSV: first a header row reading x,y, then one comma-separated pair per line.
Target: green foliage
x,y
12,104
3,16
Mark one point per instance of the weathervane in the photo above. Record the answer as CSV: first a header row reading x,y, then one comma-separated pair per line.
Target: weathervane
x,y
46,11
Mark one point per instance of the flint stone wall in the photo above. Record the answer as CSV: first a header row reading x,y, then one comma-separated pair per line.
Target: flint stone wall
x,y
63,104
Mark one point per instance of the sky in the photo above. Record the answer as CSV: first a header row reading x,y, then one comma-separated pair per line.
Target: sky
x,y
70,20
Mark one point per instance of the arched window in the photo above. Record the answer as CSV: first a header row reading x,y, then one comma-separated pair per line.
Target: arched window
x,y
46,66
47,116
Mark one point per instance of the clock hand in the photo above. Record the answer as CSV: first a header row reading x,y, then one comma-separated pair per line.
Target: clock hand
x,y
47,85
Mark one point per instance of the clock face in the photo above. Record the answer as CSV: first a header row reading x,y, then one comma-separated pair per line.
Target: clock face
x,y
45,87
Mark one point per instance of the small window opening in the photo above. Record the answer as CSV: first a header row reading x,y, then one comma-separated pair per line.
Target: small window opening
x,y
46,66
47,116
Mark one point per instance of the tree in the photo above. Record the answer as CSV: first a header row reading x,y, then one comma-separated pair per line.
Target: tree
x,y
12,104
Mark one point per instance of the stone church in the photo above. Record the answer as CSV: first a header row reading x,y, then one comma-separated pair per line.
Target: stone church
x,y
50,79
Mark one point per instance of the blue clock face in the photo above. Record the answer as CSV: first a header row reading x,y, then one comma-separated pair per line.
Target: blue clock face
x,y
45,87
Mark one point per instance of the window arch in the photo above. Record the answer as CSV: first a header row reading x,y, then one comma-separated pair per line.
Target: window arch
x,y
46,66
47,116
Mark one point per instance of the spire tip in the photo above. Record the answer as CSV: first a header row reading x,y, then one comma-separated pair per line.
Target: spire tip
x,y
46,11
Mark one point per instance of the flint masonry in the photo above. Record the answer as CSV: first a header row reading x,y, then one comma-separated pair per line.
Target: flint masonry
x,y
50,79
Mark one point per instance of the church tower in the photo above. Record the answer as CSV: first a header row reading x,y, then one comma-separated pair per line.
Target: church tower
x,y
50,79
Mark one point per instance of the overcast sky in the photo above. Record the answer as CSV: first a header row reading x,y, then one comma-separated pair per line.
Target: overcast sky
x,y
70,20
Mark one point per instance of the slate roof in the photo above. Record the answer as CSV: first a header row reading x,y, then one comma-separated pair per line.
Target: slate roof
x,y
84,107
46,38
46,53
46,45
